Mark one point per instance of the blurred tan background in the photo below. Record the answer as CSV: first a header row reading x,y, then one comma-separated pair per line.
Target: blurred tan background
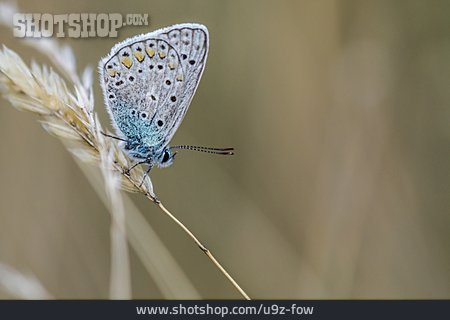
x,y
339,187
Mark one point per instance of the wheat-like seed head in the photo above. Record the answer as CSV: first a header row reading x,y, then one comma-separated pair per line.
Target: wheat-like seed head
x,y
66,114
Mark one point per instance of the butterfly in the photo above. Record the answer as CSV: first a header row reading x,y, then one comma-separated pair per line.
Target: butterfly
x,y
148,82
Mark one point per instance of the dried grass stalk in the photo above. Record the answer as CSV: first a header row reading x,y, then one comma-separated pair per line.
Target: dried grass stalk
x,y
120,280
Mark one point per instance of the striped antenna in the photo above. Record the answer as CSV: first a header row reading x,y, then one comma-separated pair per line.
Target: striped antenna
x,y
222,151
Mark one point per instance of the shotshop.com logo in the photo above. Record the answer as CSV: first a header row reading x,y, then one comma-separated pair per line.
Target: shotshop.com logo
x,y
73,25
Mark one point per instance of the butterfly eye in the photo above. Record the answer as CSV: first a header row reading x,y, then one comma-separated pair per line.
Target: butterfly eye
x,y
165,157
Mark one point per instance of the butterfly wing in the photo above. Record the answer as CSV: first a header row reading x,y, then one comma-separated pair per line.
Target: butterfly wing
x,y
148,81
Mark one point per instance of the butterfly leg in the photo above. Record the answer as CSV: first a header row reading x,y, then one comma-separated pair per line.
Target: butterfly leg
x,y
146,174
135,165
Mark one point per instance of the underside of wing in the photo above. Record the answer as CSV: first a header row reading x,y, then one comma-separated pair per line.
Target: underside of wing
x,y
149,81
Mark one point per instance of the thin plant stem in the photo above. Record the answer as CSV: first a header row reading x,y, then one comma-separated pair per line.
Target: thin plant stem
x,y
203,248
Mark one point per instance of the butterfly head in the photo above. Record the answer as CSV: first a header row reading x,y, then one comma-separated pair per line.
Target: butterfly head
x,y
165,158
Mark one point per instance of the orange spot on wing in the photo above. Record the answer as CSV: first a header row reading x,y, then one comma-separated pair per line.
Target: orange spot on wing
x,y
150,52
126,61
139,56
